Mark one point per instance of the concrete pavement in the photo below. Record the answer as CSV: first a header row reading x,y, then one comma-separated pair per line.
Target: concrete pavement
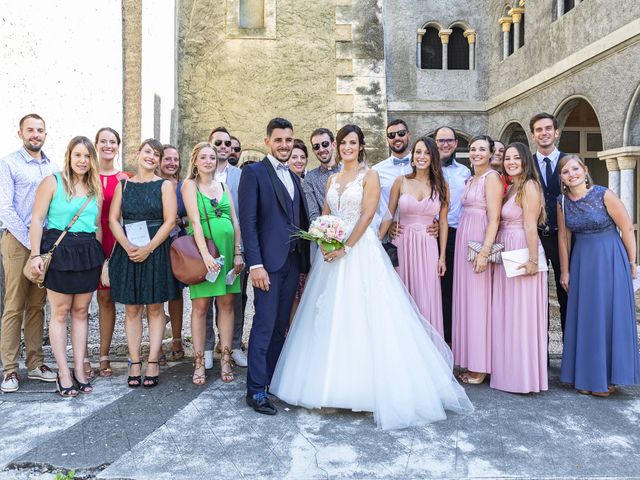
x,y
180,431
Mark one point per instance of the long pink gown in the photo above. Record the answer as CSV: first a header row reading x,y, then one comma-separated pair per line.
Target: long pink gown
x,y
418,256
471,309
519,307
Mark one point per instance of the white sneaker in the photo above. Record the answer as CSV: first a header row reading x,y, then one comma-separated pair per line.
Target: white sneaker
x,y
10,383
239,357
42,373
208,359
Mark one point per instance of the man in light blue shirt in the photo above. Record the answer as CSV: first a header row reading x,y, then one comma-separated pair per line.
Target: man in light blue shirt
x,y
20,174
456,175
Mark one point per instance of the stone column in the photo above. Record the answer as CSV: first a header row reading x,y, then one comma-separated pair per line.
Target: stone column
x,y
627,167
444,38
560,9
505,22
421,33
614,175
516,17
132,80
470,35
621,163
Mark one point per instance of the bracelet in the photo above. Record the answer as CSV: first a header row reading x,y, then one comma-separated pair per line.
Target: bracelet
x,y
533,261
34,256
347,248
237,255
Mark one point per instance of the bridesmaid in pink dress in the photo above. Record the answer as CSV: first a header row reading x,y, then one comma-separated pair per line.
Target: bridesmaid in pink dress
x,y
519,330
419,197
472,281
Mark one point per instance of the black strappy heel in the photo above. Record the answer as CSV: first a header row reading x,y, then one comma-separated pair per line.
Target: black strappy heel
x,y
154,380
67,392
136,380
82,387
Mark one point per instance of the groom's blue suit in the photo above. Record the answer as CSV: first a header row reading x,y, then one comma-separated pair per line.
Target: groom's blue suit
x,y
268,217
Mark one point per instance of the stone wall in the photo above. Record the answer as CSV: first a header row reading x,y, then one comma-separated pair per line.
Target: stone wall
x,y
323,66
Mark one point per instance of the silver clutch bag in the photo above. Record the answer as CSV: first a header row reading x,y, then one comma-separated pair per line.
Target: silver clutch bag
x,y
494,254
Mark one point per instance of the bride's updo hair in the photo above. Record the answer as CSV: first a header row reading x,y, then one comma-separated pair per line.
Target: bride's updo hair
x,y
346,130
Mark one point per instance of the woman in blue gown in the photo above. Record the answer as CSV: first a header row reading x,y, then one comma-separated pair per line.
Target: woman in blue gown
x,y
600,338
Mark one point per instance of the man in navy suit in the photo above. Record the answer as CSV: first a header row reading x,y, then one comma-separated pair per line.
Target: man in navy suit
x,y
545,133
272,207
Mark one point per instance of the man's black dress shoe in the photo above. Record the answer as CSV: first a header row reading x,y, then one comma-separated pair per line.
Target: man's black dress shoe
x,y
261,403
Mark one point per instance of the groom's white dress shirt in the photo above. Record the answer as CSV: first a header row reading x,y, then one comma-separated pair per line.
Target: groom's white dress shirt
x,y
388,171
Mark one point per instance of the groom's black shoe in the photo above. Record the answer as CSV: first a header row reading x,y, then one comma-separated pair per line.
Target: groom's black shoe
x,y
261,403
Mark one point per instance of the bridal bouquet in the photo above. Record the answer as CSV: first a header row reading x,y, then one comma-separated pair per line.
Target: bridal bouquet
x,y
327,231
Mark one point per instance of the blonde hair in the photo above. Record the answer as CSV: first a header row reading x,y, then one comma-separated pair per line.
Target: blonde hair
x,y
91,178
566,159
193,173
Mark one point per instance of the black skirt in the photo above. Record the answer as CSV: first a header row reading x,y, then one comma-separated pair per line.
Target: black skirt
x,y
76,263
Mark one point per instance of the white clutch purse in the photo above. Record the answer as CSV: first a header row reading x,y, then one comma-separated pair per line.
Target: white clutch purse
x,y
512,259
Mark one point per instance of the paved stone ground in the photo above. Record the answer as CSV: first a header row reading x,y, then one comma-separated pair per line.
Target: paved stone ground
x,y
180,431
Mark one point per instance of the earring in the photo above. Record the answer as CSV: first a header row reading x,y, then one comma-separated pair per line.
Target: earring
x,y
586,181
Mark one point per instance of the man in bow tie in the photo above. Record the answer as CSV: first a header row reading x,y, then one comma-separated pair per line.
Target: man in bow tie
x,y
399,163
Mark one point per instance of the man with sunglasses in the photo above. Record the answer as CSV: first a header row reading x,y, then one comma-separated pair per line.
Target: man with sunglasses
x,y
236,151
323,145
399,163
228,174
456,176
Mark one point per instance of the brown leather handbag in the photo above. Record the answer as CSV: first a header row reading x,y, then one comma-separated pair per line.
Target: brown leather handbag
x,y
186,262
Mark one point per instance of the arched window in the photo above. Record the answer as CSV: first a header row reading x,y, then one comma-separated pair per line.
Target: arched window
x,y
458,50
522,31
568,4
431,50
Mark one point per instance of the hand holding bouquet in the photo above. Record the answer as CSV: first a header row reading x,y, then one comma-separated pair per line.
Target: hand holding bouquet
x,y
327,231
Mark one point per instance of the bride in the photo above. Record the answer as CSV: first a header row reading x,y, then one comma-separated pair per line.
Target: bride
x,y
357,340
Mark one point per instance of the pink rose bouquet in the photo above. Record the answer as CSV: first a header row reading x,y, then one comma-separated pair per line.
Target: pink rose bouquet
x,y
327,231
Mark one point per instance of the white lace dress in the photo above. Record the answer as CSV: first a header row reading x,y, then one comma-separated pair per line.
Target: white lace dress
x,y
358,341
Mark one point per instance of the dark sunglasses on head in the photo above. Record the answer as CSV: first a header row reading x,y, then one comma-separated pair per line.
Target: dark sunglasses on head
x,y
400,133
325,144
227,143
236,149
216,208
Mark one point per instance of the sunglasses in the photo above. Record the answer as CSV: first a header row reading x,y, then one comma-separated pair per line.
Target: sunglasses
x,y
227,143
400,133
236,149
325,144
216,207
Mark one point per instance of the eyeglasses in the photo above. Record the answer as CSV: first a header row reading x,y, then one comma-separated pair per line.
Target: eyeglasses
x,y
227,143
325,144
442,141
216,207
236,149
400,133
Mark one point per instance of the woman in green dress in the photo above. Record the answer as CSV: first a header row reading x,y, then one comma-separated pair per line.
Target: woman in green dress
x,y
212,215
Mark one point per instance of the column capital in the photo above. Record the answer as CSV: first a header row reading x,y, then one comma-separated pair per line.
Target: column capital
x,y
444,35
612,164
625,157
521,3
421,32
470,35
505,22
516,14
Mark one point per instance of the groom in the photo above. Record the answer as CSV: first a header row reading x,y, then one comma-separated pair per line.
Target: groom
x,y
272,205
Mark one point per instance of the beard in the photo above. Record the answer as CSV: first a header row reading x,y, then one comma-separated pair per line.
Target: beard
x,y
399,149
233,160
33,147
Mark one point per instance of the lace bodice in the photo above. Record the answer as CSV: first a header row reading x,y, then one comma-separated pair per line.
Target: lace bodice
x,y
589,213
345,201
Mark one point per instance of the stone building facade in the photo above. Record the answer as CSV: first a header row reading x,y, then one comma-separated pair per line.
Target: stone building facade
x,y
480,66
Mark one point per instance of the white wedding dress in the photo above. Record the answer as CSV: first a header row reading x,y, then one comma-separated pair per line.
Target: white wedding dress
x,y
358,341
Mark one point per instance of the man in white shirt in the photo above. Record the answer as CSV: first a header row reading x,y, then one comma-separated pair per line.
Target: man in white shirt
x,y
229,175
456,175
399,163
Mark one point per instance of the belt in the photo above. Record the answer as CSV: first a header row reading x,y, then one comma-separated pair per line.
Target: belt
x,y
150,223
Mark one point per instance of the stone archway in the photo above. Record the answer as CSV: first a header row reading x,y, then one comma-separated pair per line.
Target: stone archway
x,y
580,135
513,132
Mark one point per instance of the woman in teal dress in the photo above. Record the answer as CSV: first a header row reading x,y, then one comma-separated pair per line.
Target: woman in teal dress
x,y
212,215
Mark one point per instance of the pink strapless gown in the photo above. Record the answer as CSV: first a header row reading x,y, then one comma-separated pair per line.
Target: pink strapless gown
x,y
519,307
418,256
471,309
